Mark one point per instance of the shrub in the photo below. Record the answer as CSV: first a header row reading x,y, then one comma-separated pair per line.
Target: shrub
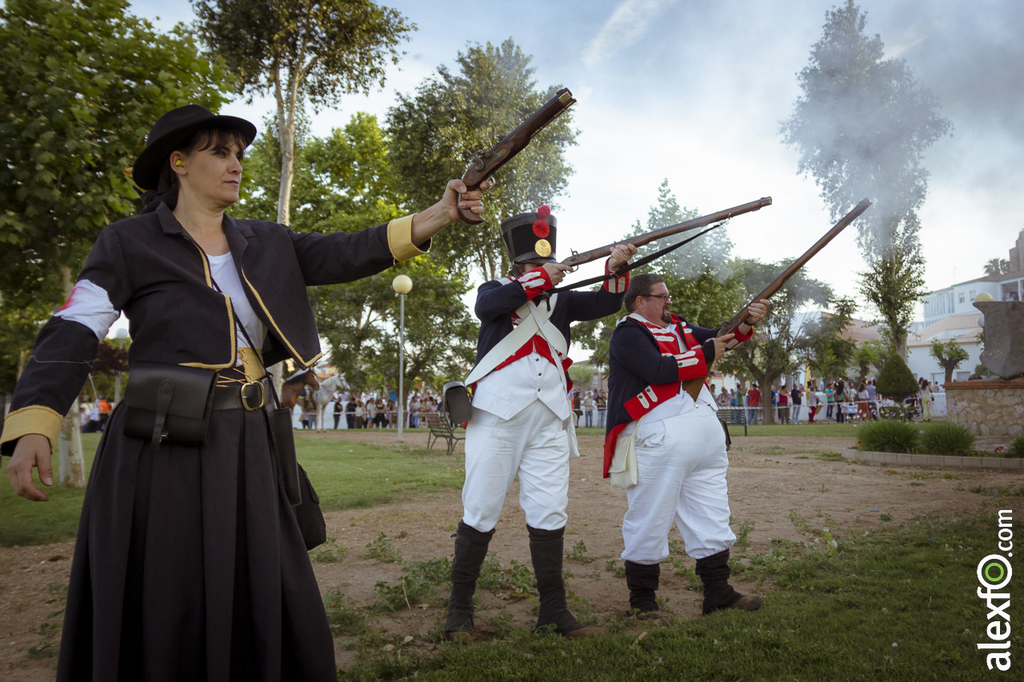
x,y
1016,448
948,438
896,381
888,436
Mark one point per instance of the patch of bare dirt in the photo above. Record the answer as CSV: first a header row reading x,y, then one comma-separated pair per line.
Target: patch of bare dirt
x,y
769,479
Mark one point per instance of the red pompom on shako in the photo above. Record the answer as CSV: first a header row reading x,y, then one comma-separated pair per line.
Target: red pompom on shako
x,y
543,211
541,229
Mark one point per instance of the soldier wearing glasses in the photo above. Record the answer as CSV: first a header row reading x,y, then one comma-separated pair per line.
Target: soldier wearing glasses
x,y
680,446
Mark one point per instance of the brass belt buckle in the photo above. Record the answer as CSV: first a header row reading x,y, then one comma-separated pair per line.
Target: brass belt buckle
x,y
248,394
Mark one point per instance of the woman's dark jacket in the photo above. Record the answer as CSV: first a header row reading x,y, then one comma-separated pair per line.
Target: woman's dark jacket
x,y
159,277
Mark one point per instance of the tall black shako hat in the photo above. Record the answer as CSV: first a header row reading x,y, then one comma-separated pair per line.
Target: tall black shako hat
x,y
173,129
530,237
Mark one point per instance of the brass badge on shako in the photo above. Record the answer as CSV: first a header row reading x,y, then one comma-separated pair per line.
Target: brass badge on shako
x,y
541,228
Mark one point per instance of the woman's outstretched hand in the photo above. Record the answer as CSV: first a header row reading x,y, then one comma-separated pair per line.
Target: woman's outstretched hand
x,y
32,451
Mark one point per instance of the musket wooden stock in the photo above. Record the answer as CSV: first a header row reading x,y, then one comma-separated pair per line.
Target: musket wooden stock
x,y
662,232
483,164
693,385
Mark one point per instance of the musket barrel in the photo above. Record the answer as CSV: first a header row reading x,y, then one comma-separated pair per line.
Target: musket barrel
x,y
781,280
662,232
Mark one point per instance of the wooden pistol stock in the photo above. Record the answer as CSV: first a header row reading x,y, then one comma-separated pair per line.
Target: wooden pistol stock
x,y
485,163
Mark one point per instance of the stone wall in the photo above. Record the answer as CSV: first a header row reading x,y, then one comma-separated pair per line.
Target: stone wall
x,y
987,408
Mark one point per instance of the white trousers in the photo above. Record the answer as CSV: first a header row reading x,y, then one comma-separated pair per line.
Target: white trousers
x,y
532,445
681,463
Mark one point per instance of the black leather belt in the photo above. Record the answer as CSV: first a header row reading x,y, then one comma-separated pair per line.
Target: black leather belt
x,y
239,396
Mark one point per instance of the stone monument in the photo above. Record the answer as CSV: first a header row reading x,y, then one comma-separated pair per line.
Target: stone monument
x,y
994,409
1004,337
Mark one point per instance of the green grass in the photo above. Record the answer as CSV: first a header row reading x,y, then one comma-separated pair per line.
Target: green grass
x,y
39,523
351,475
345,475
893,604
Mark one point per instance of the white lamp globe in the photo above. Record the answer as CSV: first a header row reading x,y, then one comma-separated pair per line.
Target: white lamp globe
x,y
402,284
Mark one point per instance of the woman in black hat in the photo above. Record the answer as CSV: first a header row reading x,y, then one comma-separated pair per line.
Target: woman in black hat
x,y
189,562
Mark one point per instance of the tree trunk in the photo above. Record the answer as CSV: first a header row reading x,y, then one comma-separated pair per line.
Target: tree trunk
x,y
901,346
287,141
767,409
71,473
23,356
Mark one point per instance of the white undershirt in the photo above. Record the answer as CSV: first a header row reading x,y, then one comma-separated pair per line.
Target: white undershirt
x,y
222,268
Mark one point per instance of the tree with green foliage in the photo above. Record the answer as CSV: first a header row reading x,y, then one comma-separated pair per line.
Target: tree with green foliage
x,y
704,255
997,266
783,336
453,115
829,353
896,381
81,84
870,354
344,187
950,355
699,276
19,326
862,126
299,51
360,322
894,286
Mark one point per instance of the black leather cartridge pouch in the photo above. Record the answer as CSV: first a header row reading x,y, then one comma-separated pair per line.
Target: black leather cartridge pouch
x,y
169,403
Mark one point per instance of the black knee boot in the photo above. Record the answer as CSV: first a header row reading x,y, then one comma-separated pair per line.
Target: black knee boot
x,y
470,552
642,581
546,552
718,593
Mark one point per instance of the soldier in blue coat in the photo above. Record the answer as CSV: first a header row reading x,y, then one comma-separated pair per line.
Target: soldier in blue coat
x,y
680,449
522,423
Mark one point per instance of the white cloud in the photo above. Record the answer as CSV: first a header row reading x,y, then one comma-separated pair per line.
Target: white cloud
x,y
625,27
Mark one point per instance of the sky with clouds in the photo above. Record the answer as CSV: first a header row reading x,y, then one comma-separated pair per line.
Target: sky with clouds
x,y
694,92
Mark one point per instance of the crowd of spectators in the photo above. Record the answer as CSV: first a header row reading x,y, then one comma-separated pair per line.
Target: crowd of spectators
x,y
841,401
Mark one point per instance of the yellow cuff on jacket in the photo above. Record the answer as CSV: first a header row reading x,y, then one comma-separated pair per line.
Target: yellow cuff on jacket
x,y
34,419
400,239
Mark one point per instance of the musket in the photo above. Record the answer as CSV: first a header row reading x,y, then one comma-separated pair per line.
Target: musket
x,y
693,385
662,232
484,163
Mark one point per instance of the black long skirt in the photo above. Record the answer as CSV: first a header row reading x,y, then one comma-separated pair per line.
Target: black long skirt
x,y
189,565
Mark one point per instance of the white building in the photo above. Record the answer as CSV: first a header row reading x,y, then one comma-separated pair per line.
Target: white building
x,y
964,328
959,298
950,314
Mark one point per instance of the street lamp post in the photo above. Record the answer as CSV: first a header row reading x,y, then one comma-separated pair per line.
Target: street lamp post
x,y
121,335
402,285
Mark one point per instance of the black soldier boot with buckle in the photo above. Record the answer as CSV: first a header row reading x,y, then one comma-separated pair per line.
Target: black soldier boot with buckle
x,y
546,548
718,593
470,552
642,581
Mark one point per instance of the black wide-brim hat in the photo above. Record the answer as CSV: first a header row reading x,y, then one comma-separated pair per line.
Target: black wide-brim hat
x,y
530,238
173,129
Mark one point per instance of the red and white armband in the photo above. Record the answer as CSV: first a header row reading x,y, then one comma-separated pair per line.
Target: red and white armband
x,y
617,285
534,282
